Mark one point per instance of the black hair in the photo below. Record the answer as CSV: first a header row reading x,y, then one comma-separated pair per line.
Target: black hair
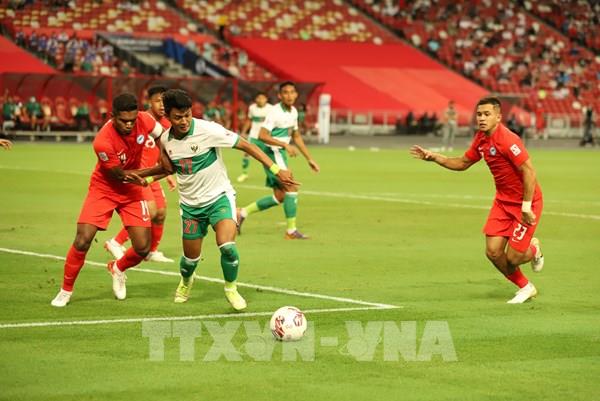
x,y
124,102
176,99
156,89
286,83
494,101
260,94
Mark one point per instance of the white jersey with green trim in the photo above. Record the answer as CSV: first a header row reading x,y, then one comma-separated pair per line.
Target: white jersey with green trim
x,y
201,173
257,115
281,123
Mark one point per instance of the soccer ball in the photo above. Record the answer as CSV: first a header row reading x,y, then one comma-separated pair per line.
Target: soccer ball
x,y
288,324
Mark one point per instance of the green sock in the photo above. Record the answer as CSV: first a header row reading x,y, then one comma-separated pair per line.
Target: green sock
x,y
290,204
230,261
261,204
187,266
245,164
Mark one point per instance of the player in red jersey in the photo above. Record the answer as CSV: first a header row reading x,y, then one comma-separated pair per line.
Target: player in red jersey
x,y
518,204
115,185
153,194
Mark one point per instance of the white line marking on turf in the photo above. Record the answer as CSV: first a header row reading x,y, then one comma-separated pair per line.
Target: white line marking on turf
x,y
176,318
373,197
419,202
215,280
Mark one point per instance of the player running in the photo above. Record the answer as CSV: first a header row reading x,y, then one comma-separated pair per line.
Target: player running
x,y
118,147
153,194
205,193
518,204
278,129
257,112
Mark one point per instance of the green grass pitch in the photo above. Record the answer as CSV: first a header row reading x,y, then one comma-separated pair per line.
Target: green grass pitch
x,y
386,229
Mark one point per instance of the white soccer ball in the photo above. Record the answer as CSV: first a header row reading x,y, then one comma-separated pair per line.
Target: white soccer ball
x,y
288,324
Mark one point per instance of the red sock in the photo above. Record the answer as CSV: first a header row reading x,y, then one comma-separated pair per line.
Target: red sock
x,y
122,236
533,250
130,259
518,278
73,265
157,233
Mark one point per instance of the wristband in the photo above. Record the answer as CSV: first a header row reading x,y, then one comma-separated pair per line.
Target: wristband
x,y
526,206
149,180
274,169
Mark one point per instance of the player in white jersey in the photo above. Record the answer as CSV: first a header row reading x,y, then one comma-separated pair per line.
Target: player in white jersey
x,y
278,130
206,197
257,112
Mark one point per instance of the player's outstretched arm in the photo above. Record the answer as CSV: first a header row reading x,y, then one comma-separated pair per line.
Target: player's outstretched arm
x,y
5,143
529,183
304,150
284,176
265,136
452,163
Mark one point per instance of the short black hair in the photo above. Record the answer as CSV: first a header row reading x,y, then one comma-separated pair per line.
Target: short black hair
x,y
286,83
494,101
176,99
156,89
124,102
260,94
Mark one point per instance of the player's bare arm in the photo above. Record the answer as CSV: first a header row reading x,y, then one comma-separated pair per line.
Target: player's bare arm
x,y
529,183
451,163
265,136
284,176
299,142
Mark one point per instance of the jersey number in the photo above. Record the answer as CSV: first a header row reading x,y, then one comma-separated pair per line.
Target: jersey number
x,y
190,226
186,166
519,232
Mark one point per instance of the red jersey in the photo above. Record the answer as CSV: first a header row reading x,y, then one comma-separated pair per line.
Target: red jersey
x,y
151,153
504,153
113,149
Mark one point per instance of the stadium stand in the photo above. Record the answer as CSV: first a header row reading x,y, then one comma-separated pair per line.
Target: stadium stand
x,y
501,46
289,19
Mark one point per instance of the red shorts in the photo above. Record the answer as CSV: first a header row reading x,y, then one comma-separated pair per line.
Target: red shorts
x,y
504,220
154,192
98,209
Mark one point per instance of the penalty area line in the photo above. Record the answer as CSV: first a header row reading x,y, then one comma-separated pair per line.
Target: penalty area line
x,y
175,318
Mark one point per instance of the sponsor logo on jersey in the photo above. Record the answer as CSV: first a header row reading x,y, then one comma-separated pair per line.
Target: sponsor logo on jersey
x,y
493,151
140,139
122,156
515,149
103,156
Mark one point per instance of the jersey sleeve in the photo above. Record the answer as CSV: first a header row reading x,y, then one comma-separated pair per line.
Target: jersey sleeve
x,y
107,157
296,123
151,126
269,122
220,137
514,150
473,153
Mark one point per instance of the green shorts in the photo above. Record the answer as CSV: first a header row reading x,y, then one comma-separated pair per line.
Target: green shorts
x,y
196,220
278,157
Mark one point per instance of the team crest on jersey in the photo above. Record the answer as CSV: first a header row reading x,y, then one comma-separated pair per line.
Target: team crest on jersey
x,y
140,139
194,147
493,151
103,156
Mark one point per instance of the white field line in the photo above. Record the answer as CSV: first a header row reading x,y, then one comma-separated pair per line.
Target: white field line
x,y
216,280
176,318
379,198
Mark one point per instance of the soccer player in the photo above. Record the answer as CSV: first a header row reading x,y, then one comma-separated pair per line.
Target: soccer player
x,y
115,185
153,194
205,192
518,204
276,133
257,112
